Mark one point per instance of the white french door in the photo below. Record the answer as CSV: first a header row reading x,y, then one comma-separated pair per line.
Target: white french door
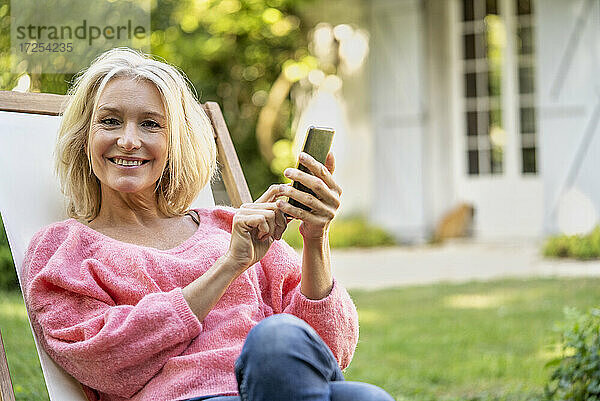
x,y
495,126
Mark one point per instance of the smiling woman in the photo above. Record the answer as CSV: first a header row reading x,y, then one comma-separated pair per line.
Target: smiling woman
x,y
139,298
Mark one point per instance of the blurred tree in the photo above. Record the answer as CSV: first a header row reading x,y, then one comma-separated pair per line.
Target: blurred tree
x,y
232,52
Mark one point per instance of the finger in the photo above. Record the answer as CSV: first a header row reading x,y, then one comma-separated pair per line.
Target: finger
x,y
280,220
279,217
253,225
270,194
330,162
270,215
324,172
256,224
281,223
316,205
299,213
324,193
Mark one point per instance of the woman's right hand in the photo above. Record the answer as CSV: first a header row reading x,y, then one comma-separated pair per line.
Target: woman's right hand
x,y
255,227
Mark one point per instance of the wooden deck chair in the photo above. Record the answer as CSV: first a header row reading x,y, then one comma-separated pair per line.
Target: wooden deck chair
x,y
30,197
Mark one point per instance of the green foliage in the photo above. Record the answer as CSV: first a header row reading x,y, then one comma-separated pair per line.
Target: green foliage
x,y
283,158
231,50
577,375
7,79
8,274
3,237
583,247
49,83
344,233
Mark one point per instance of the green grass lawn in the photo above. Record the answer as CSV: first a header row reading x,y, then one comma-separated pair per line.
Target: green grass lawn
x,y
475,341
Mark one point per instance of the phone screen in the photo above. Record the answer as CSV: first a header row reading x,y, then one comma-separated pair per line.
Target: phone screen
x,y
317,143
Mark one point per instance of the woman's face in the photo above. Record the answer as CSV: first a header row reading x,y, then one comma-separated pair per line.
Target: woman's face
x,y
128,137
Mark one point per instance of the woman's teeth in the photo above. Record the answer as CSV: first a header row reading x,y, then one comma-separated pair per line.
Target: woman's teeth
x,y
122,162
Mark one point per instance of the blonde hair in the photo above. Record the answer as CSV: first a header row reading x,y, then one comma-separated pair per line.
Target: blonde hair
x,y
191,149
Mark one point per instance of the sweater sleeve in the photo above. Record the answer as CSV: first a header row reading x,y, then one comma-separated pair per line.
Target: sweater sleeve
x,y
333,317
110,347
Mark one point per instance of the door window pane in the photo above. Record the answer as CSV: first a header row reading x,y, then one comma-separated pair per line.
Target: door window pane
x,y
524,7
468,10
492,6
472,123
527,119
529,160
470,46
470,85
526,84
525,40
473,156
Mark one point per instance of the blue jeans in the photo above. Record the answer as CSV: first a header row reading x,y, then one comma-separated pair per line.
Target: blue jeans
x,y
284,359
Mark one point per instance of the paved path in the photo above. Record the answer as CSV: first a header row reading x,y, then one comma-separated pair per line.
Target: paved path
x,y
451,262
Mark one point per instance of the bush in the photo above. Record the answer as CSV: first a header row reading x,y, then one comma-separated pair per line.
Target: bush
x,y
582,247
577,377
8,274
354,232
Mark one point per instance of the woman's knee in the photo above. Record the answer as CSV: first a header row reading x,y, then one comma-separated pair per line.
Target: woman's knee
x,y
271,346
283,358
276,334
357,391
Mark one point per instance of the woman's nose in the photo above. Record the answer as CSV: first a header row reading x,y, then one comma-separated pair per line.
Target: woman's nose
x,y
129,138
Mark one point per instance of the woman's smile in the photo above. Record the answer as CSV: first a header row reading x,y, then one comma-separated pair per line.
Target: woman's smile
x,y
127,163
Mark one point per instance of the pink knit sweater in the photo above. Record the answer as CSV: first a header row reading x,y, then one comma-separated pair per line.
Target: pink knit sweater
x,y
112,314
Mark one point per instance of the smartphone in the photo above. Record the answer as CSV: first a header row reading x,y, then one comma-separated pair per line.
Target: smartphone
x,y
317,143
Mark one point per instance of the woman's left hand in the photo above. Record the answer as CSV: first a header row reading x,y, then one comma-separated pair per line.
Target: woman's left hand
x,y
315,224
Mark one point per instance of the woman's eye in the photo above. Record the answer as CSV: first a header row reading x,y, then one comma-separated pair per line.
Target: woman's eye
x,y
109,121
150,124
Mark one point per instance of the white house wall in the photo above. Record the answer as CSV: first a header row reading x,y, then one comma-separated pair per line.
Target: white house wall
x,y
398,98
438,165
568,78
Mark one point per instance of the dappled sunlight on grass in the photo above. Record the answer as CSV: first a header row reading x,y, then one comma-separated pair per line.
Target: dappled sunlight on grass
x,y
475,301
503,299
550,352
369,316
11,310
